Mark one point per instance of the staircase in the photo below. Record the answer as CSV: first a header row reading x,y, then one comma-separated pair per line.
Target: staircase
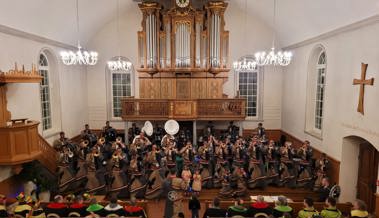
x,y
48,156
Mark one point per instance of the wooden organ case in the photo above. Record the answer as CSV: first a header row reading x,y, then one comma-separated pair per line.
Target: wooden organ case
x,y
183,58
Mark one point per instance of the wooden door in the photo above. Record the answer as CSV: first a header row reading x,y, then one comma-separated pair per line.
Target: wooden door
x,y
367,174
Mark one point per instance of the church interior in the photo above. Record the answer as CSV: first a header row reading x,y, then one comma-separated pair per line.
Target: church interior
x,y
189,108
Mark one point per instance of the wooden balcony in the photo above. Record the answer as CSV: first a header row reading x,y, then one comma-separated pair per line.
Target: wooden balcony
x,y
197,109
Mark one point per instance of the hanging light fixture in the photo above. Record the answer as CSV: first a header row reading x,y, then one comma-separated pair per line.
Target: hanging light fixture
x,y
246,63
282,58
81,57
119,64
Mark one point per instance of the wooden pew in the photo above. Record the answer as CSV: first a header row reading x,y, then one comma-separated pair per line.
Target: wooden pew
x,y
296,206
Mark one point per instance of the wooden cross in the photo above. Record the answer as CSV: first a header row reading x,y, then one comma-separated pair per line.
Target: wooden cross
x,y
362,82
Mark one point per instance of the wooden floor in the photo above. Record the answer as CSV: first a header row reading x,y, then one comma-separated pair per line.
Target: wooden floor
x,y
156,208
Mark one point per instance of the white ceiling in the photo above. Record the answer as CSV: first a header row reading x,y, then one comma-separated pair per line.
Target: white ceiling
x,y
297,20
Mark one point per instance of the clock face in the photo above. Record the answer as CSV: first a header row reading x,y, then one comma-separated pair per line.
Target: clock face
x,y
182,3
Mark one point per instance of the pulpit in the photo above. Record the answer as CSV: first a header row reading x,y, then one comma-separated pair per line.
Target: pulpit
x,y
19,138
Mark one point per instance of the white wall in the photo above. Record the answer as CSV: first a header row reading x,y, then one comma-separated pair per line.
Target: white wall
x,y
24,99
345,52
258,38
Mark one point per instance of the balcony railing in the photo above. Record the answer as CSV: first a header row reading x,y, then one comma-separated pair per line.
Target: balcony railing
x,y
197,109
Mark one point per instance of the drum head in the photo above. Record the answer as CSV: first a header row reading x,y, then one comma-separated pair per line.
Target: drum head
x,y
171,127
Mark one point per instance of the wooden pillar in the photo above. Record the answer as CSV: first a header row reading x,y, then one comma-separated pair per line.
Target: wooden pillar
x,y
376,203
5,116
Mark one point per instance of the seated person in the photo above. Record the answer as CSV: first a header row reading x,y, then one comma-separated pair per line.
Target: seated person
x,y
214,210
38,211
237,209
331,211
324,190
86,131
57,207
59,143
259,208
114,208
281,207
95,209
134,211
309,210
3,206
78,208
23,208
359,209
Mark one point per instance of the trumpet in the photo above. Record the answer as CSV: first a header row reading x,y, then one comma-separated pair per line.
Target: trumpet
x,y
84,143
119,140
101,141
70,153
96,154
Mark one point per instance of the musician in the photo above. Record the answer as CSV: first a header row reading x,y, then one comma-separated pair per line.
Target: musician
x,y
324,190
86,131
94,163
65,167
170,153
167,139
133,132
153,157
322,165
158,134
209,129
187,153
59,143
118,162
261,130
141,141
232,131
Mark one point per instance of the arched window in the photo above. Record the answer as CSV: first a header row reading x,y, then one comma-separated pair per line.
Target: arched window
x,y
321,70
316,91
250,86
45,92
120,87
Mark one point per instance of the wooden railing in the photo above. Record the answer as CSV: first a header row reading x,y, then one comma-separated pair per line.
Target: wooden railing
x,y
197,109
48,156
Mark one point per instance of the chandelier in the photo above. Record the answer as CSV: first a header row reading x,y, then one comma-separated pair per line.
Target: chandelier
x,y
81,57
119,64
246,63
282,58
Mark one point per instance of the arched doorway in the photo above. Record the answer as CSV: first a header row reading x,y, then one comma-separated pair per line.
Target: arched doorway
x,y
359,170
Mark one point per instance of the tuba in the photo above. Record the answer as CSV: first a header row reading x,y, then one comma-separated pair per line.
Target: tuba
x,y
148,128
171,127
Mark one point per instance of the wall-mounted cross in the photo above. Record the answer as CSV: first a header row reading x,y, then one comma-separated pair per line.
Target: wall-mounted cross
x,y
362,82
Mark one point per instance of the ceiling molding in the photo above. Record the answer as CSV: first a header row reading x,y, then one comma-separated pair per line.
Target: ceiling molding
x,y
30,36
350,27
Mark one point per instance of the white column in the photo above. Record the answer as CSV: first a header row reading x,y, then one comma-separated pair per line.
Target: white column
x,y
126,132
194,133
240,123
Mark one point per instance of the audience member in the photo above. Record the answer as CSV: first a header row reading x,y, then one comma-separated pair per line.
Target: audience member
x,y
331,210
3,206
194,206
37,211
324,190
259,208
359,209
214,210
133,210
95,209
114,208
78,208
309,210
57,207
22,209
237,209
281,207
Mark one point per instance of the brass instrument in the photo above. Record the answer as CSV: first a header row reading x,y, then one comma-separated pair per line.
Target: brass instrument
x,y
84,144
101,141
119,140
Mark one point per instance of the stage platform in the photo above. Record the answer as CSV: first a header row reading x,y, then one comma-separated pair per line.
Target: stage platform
x,y
296,194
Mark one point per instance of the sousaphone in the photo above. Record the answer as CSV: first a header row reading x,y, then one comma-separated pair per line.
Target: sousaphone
x,y
148,128
171,127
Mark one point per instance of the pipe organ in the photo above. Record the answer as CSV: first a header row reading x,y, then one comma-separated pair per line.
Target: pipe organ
x,y
178,39
183,52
